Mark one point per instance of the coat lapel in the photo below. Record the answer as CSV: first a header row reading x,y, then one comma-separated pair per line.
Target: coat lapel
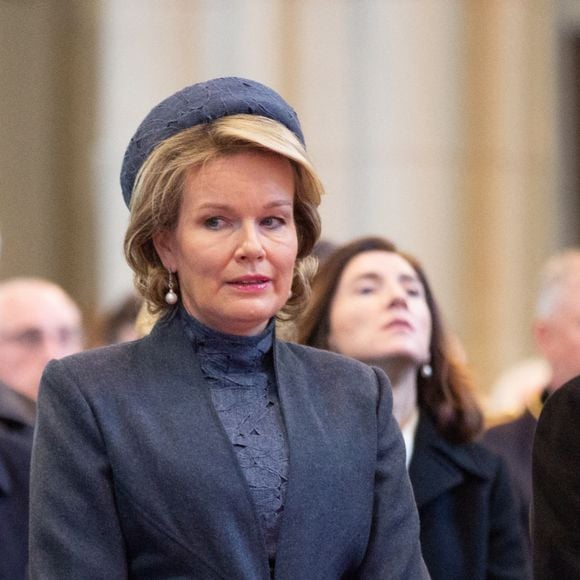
x,y
311,480
438,466
197,461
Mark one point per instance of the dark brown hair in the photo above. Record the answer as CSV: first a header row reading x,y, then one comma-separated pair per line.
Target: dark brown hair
x,y
447,395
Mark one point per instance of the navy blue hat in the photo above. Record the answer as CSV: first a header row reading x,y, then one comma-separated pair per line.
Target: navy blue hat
x,y
202,103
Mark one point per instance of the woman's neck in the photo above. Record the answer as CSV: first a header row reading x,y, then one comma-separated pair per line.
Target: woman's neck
x,y
403,377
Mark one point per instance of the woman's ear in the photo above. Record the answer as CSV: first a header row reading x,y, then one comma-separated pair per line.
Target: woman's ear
x,y
164,243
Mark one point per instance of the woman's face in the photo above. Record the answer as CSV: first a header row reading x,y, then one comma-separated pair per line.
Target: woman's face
x,y
379,310
235,242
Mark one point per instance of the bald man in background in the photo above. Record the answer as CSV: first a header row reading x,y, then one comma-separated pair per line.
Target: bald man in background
x,y
38,322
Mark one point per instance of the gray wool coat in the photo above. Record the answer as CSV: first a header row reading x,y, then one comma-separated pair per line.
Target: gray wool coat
x,y
133,475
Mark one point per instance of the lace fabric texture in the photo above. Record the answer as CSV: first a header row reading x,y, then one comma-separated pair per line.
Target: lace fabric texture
x,y
240,374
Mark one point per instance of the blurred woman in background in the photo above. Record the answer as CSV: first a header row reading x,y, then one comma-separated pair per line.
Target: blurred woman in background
x,y
372,302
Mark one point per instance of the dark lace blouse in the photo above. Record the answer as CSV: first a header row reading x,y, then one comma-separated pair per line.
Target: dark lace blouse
x,y
240,375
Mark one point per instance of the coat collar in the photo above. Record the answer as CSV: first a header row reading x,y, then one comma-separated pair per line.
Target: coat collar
x,y
15,410
438,465
310,480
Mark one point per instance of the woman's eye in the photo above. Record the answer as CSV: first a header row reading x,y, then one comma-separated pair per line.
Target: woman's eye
x,y
365,290
273,222
213,223
413,291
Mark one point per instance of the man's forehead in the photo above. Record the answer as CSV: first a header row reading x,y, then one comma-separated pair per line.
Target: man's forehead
x,y
36,307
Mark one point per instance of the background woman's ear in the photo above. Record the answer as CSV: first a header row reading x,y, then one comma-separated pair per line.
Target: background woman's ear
x,y
164,246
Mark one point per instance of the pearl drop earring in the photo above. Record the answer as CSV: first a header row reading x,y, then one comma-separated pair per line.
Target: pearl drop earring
x,y
426,370
171,296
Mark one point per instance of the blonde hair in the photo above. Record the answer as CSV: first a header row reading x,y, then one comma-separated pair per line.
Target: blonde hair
x,y
157,195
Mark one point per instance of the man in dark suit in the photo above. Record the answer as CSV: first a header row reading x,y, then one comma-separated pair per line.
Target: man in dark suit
x,y
556,479
557,336
38,322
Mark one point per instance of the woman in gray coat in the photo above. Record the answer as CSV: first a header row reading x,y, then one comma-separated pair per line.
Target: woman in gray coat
x,y
210,449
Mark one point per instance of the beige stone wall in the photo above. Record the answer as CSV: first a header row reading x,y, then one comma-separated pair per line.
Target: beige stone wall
x,y
48,125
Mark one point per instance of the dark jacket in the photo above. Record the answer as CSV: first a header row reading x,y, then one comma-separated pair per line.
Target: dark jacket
x,y
133,475
14,489
17,414
15,445
513,441
469,524
556,484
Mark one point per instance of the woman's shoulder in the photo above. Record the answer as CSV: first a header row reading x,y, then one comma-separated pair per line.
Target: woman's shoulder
x,y
115,354
324,359
163,338
97,369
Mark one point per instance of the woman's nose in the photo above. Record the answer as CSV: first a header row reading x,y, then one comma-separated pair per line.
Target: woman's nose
x,y
396,296
250,245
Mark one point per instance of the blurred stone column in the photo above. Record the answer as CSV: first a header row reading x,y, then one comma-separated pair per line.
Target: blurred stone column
x,y
47,119
508,186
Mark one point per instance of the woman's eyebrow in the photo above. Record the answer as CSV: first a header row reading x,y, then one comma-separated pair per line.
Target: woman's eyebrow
x,y
409,278
367,276
216,205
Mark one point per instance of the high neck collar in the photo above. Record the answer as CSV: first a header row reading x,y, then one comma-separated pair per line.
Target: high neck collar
x,y
206,340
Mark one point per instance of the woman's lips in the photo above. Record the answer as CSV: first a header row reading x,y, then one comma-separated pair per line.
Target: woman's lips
x,y
250,283
398,325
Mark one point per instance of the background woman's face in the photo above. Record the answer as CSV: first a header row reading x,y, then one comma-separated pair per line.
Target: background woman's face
x,y
235,242
380,311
